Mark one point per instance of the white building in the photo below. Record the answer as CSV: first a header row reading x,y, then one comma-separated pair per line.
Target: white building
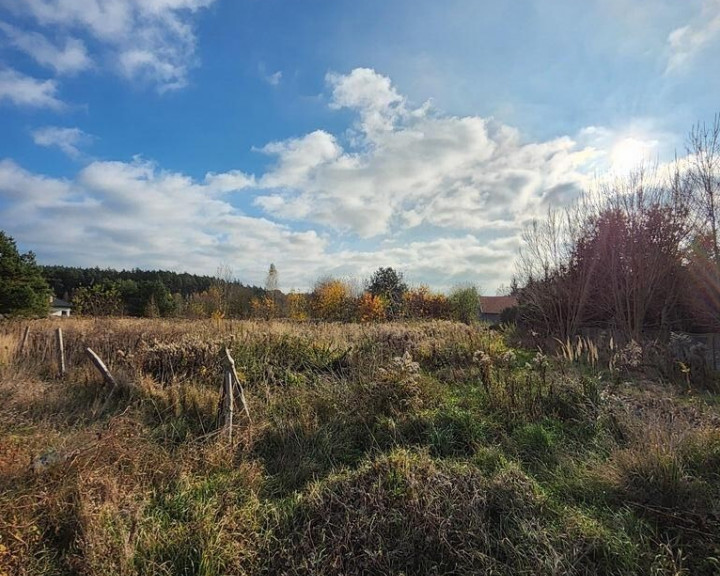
x,y
60,307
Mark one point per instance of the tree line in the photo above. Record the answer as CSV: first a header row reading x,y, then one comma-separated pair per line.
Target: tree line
x,y
26,290
385,296
150,293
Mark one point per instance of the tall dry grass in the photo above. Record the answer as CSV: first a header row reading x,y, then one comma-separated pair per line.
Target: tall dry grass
x,y
424,447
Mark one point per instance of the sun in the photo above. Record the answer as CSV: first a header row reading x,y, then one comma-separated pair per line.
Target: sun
x,y
628,154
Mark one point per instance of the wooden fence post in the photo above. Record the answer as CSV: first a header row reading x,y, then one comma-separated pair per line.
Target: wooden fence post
x,y
237,385
231,388
229,405
24,340
60,353
100,365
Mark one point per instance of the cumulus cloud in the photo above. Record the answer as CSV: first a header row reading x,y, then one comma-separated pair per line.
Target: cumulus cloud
x,y
442,198
441,262
371,95
145,40
69,58
299,158
24,189
409,166
24,90
687,41
69,140
130,214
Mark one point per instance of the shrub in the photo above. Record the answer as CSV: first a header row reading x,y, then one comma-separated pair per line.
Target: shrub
x,y
332,300
298,306
370,308
465,303
422,303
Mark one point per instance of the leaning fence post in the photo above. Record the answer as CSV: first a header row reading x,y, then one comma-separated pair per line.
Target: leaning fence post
x,y
60,352
100,365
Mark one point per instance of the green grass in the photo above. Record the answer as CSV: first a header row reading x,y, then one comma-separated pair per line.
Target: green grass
x,y
385,449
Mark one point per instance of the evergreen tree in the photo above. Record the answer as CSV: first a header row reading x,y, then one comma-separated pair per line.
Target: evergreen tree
x,y
23,289
388,284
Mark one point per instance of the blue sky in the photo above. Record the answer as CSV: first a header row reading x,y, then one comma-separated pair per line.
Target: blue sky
x,y
332,137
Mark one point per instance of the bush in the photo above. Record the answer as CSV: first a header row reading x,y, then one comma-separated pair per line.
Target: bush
x,y
332,300
465,304
370,308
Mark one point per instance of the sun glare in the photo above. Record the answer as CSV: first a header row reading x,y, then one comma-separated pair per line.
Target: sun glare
x,y
628,154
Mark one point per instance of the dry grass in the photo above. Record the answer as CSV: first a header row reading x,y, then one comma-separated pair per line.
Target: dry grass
x,y
416,448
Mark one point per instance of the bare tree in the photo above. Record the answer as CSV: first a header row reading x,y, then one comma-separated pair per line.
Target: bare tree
x,y
555,290
613,258
704,175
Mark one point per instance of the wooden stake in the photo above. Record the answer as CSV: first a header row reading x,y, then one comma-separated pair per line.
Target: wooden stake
x,y
24,340
100,365
229,404
230,388
230,367
60,353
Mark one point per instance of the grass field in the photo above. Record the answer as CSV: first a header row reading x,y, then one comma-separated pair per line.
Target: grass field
x,y
404,448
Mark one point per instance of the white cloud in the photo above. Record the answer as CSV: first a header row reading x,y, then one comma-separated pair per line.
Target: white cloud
x,y
128,215
69,140
299,158
28,189
441,262
442,198
146,40
134,214
68,59
687,41
620,150
272,78
146,65
275,78
28,91
229,181
371,94
463,173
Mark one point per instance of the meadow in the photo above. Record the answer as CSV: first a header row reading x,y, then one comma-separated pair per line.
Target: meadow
x,y
428,447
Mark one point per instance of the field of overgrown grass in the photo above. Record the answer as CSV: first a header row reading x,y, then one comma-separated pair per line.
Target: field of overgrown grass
x,y
404,448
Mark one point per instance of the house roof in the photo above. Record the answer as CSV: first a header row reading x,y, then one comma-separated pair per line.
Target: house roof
x,y
60,303
496,304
